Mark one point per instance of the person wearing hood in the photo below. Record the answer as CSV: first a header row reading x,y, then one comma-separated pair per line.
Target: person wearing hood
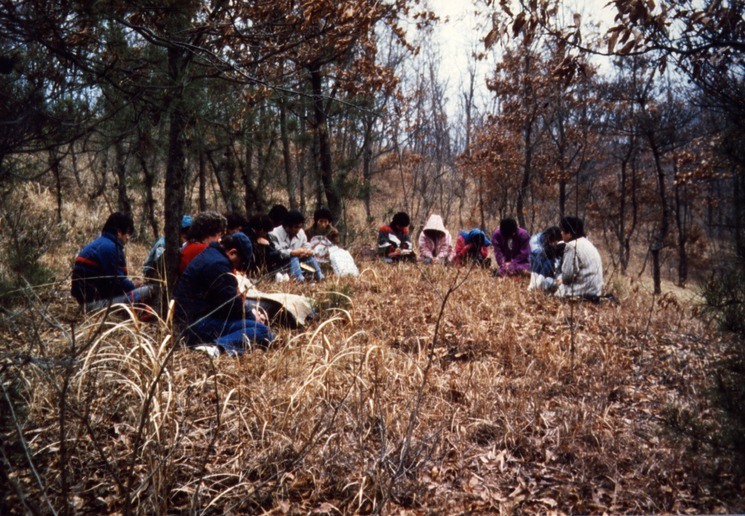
x,y
435,243
472,246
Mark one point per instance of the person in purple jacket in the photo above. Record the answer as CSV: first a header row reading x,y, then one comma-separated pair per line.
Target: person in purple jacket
x,y
511,249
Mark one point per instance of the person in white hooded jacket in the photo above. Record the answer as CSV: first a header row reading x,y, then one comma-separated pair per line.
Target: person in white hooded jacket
x,y
581,266
435,243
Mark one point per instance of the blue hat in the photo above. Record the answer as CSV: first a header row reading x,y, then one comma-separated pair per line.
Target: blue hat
x,y
185,222
474,233
242,243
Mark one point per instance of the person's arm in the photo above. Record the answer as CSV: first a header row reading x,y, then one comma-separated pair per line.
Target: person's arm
x,y
568,264
522,243
282,248
222,294
333,235
114,267
426,246
301,247
496,241
385,246
447,251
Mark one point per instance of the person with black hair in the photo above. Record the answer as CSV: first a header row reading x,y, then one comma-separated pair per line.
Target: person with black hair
x,y
322,226
290,240
265,258
209,307
581,266
207,227
511,249
472,247
277,214
99,275
546,249
394,241
235,222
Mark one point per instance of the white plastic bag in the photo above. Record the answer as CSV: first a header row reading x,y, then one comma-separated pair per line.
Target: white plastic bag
x,y
342,262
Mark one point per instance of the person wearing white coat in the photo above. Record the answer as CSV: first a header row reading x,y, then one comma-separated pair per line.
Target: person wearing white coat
x,y
581,267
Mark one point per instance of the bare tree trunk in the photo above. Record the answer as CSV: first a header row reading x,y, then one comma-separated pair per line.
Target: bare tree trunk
x,y
123,201
333,199
54,164
176,166
149,180
659,242
681,221
287,162
202,181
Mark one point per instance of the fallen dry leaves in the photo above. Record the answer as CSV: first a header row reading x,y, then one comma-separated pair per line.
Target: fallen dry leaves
x,y
528,405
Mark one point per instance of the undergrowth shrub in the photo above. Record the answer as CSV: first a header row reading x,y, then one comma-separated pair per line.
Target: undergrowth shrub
x,y
29,230
724,296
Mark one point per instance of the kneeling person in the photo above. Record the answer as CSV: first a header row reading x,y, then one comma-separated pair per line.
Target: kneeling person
x,y
208,304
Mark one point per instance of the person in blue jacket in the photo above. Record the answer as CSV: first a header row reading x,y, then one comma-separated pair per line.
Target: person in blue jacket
x,y
546,249
209,307
155,262
99,275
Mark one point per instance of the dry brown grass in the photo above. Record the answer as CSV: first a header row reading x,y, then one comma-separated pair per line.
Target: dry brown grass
x,y
516,402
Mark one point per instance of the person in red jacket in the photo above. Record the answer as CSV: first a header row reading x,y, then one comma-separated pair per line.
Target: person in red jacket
x,y
394,241
207,227
472,247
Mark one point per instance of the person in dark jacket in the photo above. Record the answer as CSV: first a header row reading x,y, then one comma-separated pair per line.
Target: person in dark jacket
x,y
209,307
266,259
99,276
394,240
322,226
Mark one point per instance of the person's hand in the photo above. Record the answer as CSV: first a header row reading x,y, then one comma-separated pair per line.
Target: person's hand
x,y
262,241
395,254
259,315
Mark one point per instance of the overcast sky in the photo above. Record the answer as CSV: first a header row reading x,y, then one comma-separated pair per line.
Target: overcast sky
x,y
460,34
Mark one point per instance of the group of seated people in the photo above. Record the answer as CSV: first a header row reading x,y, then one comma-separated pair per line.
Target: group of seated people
x,y
209,307
559,260
208,304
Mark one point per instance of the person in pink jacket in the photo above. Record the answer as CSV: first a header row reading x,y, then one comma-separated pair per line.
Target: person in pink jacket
x,y
435,243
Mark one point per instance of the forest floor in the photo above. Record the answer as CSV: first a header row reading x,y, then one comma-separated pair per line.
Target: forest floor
x,y
414,390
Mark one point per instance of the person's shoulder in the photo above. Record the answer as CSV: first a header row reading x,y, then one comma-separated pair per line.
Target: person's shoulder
x,y
385,229
211,256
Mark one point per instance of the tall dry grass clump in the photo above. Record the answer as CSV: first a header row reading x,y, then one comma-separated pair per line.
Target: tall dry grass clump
x,y
425,389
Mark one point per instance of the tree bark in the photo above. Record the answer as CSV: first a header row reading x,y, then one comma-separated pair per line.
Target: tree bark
x,y
333,199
